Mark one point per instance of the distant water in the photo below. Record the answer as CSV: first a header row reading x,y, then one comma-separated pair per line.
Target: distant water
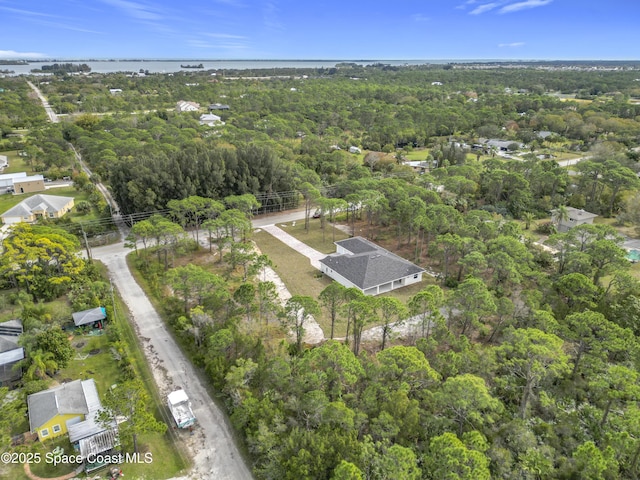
x,y
169,66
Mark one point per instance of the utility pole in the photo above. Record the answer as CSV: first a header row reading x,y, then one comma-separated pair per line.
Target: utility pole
x,y
86,243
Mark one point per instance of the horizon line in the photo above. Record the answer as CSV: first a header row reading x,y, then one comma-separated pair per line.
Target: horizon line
x,y
350,60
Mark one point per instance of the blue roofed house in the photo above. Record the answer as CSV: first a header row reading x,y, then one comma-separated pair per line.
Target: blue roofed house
x,y
364,265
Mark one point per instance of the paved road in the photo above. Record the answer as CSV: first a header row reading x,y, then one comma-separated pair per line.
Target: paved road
x,y
217,456
52,115
275,218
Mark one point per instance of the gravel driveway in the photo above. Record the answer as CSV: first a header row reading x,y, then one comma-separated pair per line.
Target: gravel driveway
x,y
212,446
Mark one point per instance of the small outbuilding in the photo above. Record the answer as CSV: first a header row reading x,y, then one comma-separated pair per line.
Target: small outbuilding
x,y
218,106
93,317
29,184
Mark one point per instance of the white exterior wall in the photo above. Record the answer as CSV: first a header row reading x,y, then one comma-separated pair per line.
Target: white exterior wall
x,y
567,225
13,220
385,287
410,280
336,276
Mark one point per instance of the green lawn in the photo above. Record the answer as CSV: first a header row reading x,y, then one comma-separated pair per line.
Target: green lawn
x,y
301,278
47,467
16,163
294,269
93,360
419,154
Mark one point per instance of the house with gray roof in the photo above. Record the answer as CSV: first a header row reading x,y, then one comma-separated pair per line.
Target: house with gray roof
x,y
53,411
10,352
73,408
37,207
575,217
210,119
503,145
364,265
184,106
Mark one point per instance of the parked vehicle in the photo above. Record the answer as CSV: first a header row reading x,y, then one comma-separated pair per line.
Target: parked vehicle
x,y
180,407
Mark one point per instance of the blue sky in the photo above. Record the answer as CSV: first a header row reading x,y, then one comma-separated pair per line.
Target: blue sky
x,y
321,29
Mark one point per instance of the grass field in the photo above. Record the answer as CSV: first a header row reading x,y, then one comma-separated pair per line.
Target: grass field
x,y
419,154
301,278
294,269
16,163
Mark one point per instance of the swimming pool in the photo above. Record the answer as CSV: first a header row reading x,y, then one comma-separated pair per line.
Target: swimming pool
x,y
633,256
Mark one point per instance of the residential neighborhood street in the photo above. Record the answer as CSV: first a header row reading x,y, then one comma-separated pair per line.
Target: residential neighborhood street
x,y
212,446
216,455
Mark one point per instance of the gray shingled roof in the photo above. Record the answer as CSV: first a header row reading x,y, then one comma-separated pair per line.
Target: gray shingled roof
x,y
48,203
579,214
369,265
78,397
88,316
358,245
8,343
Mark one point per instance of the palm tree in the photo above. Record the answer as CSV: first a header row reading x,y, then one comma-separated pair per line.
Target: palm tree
x,y
528,217
561,214
41,364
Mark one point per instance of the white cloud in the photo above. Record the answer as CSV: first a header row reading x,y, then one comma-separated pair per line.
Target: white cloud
x,y
136,9
219,46
504,6
511,45
466,4
11,54
483,8
270,15
516,7
231,3
224,35
28,13
419,17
